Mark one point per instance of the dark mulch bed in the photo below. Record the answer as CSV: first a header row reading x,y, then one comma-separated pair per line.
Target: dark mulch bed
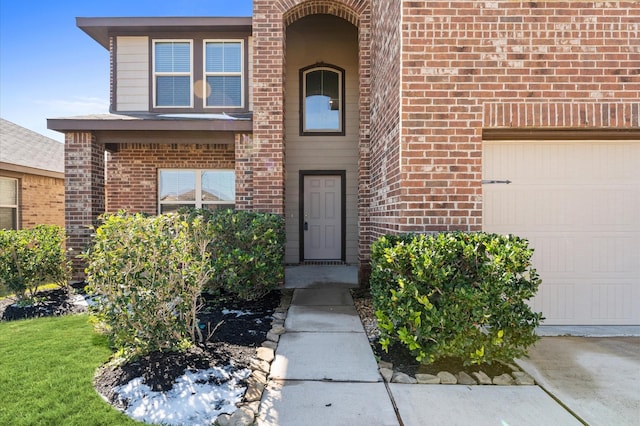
x,y
53,302
240,328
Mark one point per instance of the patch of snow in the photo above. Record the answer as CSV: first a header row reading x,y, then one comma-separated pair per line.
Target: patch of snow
x,y
195,399
79,300
236,312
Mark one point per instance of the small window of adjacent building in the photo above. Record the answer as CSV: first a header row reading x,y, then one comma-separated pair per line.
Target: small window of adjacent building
x,y
172,73
322,100
8,203
223,73
210,189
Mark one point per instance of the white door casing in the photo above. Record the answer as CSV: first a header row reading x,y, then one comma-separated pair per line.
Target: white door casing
x,y
322,217
578,203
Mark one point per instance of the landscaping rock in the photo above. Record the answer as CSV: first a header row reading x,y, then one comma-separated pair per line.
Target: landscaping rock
x,y
279,316
465,379
266,354
523,378
503,380
273,337
260,377
385,364
223,420
482,378
403,378
254,390
447,378
242,417
427,379
386,374
277,329
260,365
270,344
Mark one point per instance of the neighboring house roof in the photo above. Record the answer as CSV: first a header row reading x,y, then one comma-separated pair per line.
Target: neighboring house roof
x,y
23,150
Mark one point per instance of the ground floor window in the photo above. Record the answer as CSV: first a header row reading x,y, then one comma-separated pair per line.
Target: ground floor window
x,y
8,203
210,189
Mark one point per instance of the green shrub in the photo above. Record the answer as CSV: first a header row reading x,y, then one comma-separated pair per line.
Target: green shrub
x,y
247,251
32,257
455,294
147,274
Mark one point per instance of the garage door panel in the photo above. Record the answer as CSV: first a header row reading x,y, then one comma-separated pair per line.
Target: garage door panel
x,y
612,302
614,256
556,301
578,203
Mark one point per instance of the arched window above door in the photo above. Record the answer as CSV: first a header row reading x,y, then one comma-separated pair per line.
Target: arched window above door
x,y
322,100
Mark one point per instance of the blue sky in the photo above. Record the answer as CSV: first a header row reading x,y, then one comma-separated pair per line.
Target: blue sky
x,y
50,68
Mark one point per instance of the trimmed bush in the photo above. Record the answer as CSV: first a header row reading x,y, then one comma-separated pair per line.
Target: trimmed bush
x,y
455,294
32,257
246,251
147,274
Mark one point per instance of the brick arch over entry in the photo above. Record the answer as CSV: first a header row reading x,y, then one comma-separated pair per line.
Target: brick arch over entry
x,y
270,20
346,10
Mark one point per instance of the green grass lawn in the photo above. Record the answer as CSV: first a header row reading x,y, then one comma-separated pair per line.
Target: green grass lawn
x,y
46,372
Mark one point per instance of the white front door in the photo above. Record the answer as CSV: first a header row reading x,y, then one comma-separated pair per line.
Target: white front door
x,y
322,228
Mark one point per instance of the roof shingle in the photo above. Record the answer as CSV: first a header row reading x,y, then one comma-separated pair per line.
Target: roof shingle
x,y
26,148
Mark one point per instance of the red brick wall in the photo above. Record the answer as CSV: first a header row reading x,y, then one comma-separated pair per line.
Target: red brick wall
x,y
132,171
84,191
244,171
386,197
42,201
503,64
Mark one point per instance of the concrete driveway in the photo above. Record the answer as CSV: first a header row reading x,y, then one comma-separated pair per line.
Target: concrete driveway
x,y
597,378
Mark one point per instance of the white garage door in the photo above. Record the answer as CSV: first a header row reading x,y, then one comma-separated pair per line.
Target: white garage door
x,y
578,203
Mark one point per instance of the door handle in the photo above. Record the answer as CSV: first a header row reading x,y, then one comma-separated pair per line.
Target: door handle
x,y
306,226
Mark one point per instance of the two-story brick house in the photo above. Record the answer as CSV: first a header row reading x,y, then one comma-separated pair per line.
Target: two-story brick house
x,y
357,118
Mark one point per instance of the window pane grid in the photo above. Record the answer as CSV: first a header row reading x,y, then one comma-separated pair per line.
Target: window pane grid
x,y
172,70
223,73
322,100
8,203
195,188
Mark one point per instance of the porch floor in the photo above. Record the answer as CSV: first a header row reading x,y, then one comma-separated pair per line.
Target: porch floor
x,y
314,276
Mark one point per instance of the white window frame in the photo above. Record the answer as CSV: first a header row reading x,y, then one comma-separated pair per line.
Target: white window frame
x,y
15,206
172,74
198,203
241,74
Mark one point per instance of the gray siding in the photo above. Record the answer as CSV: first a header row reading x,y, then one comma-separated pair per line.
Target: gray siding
x,y
132,72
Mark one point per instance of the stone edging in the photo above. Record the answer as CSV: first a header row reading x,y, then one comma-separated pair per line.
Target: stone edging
x,y
517,377
247,411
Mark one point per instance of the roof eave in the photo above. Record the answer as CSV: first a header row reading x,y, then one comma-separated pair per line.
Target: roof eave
x,y
100,29
64,125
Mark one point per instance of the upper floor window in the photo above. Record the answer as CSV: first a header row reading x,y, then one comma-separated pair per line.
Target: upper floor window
x,y
223,73
8,203
322,100
172,66
210,189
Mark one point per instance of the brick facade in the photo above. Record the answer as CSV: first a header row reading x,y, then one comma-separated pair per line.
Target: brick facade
x,y
42,201
132,171
84,191
434,75
469,65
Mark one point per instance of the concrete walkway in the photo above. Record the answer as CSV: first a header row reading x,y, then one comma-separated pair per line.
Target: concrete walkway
x,y
324,373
